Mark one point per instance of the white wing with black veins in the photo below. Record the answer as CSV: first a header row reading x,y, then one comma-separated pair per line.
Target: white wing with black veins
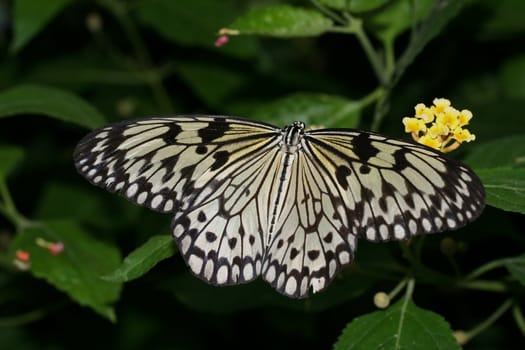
x,y
250,199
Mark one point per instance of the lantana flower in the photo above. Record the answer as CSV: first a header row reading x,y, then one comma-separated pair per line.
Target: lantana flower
x,y
439,126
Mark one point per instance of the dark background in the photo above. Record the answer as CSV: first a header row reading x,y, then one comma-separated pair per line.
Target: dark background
x,y
473,62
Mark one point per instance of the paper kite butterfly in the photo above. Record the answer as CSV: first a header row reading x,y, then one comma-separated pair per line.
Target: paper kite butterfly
x,y
250,199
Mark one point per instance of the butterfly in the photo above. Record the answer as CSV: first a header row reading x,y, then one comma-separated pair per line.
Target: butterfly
x,y
250,199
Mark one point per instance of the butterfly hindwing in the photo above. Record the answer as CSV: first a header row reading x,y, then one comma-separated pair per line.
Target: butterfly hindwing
x,y
311,241
222,235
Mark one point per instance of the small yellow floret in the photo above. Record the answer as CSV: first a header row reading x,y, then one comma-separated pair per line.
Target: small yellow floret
x,y
440,104
464,117
449,118
414,125
463,135
430,142
437,130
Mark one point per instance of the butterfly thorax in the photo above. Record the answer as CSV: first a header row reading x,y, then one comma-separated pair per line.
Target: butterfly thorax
x,y
292,135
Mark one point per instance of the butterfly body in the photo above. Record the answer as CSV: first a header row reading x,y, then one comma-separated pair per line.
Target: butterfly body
x,y
250,199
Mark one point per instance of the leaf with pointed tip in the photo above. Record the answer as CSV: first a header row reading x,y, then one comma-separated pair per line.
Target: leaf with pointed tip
x,y
9,157
30,17
401,326
282,21
143,259
56,103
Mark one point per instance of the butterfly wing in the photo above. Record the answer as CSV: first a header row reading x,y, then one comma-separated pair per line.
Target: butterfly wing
x,y
392,189
156,162
209,171
311,242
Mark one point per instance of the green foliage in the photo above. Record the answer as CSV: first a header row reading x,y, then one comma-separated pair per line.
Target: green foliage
x,y
282,21
505,188
402,326
63,105
313,109
516,267
329,63
9,158
78,269
30,18
143,259
354,6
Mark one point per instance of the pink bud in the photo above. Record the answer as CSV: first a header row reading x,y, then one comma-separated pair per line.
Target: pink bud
x,y
56,248
22,255
223,39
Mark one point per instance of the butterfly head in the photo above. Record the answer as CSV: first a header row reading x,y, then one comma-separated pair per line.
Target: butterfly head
x,y
292,134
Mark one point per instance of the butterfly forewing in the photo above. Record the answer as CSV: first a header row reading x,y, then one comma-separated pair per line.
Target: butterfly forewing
x,y
156,162
250,199
393,189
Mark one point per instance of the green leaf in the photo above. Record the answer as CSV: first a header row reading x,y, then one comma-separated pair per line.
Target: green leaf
x,y
194,23
516,267
312,109
442,12
513,77
282,21
505,188
355,6
397,17
501,152
30,16
56,103
401,326
77,269
143,259
9,157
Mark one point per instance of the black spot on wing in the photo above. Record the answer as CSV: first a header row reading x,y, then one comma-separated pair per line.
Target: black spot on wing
x,y
201,149
215,129
170,136
363,148
341,173
211,237
313,254
232,242
400,159
221,158
364,169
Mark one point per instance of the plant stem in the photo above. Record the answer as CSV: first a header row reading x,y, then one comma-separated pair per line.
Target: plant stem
x,y
518,317
356,25
8,209
398,288
484,285
142,54
30,316
328,12
22,319
485,268
371,97
408,297
489,321
390,63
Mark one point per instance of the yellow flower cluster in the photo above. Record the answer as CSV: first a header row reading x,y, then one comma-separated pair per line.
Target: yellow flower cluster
x,y
439,126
